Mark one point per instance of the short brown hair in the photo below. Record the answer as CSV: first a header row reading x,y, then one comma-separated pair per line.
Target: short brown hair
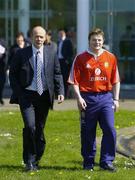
x,y
95,31
19,34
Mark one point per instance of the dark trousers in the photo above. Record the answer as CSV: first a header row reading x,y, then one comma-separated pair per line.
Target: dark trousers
x,y
34,110
99,109
2,83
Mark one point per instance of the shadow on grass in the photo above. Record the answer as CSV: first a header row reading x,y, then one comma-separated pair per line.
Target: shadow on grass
x,y
58,168
74,168
81,163
21,168
11,167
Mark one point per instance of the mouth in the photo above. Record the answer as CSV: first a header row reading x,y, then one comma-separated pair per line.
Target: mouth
x,y
39,43
97,46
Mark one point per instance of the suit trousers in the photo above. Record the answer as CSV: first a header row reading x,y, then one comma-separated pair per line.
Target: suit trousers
x,y
34,109
2,83
100,109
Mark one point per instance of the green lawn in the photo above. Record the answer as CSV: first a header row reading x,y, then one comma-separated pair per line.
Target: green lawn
x,y
62,159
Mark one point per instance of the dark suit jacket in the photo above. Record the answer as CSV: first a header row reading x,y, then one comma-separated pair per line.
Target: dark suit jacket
x,y
67,50
22,71
12,51
3,62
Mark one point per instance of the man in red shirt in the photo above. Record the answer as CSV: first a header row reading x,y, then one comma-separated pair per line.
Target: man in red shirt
x,y
95,79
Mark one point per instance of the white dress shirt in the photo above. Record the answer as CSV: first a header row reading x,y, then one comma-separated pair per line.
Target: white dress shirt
x,y
33,85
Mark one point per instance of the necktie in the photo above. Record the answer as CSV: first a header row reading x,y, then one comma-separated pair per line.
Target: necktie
x,y
39,74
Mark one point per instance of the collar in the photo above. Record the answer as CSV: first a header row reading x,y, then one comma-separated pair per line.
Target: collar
x,y
63,38
35,49
95,55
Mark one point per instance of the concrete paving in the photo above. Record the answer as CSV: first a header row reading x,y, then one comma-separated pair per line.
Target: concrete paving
x,y
71,104
66,105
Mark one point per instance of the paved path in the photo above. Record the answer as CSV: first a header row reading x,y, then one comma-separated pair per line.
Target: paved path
x,y
66,105
71,105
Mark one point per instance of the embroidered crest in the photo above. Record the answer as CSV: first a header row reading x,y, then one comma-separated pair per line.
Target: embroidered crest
x,y
106,64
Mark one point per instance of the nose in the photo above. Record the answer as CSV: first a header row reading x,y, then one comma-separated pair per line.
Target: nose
x,y
38,38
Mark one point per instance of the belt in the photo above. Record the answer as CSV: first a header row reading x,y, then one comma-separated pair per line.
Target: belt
x,y
96,93
34,92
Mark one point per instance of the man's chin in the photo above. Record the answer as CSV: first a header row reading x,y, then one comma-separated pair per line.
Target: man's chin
x,y
38,46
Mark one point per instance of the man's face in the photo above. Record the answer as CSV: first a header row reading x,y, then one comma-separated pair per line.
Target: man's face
x,y
48,38
96,42
61,34
38,37
20,40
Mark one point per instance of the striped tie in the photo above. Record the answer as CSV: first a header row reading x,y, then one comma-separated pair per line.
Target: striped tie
x,y
39,73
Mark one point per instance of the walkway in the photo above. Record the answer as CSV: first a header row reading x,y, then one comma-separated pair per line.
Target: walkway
x,y
71,105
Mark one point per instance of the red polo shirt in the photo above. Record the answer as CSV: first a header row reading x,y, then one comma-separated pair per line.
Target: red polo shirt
x,y
94,74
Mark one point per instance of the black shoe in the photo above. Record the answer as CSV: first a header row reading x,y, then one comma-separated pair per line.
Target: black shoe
x,y
35,166
29,167
108,167
1,102
89,167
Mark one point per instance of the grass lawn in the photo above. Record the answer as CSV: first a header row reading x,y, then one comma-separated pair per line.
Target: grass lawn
x,y
62,159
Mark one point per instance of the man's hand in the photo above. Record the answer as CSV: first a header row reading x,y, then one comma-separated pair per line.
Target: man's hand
x,y
116,105
81,104
60,99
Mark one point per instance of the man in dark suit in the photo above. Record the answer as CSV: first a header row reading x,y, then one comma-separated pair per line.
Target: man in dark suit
x,y
35,76
19,44
3,64
65,55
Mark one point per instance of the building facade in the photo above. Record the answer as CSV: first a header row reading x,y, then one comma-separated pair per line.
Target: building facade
x,y
22,15
115,17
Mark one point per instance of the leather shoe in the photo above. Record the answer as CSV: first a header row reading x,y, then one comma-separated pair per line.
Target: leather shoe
x,y
1,102
35,167
108,167
89,167
31,167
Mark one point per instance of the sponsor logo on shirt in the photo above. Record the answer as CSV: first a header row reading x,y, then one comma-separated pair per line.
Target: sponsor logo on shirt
x,y
97,71
98,78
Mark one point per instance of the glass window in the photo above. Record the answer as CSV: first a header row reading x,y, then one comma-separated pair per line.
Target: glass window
x,y
2,4
100,6
117,21
35,5
124,5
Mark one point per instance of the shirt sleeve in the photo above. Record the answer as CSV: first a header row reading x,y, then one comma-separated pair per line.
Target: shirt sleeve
x,y
115,73
74,76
